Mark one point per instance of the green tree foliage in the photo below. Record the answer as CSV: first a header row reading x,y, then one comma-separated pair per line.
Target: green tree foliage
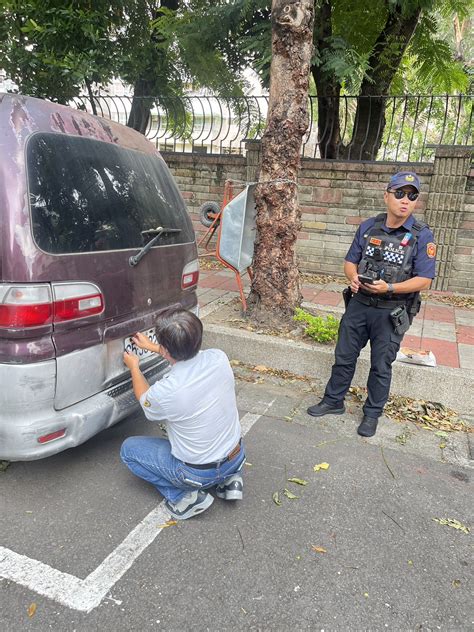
x,y
53,49
374,49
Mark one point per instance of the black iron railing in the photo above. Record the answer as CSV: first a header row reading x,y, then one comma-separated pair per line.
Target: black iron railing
x,y
396,128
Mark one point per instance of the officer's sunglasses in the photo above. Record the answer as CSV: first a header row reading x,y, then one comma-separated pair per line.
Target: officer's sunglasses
x,y
399,194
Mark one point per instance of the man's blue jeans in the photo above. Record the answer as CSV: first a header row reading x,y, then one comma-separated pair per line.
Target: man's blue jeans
x,y
150,458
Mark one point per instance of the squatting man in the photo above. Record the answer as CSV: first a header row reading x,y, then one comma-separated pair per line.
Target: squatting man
x,y
391,259
196,400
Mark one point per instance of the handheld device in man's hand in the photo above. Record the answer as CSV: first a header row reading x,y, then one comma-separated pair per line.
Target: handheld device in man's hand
x,y
365,278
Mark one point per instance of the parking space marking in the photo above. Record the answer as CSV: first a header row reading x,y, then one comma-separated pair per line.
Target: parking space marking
x,y
86,594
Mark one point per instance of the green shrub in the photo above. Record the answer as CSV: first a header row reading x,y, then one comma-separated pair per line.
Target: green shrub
x,y
319,328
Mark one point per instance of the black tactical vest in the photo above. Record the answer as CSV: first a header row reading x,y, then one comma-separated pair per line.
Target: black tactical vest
x,y
389,256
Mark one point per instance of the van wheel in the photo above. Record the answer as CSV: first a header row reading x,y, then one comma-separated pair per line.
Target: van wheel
x,y
208,213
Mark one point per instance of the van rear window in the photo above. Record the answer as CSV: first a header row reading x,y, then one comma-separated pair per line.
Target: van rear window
x,y
87,195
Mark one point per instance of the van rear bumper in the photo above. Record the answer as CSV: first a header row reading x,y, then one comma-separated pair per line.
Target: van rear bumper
x,y
27,411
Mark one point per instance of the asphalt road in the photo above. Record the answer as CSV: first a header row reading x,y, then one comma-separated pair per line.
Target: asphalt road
x,y
358,549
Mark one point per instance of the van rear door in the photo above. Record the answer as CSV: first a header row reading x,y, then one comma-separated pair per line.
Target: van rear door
x,y
93,206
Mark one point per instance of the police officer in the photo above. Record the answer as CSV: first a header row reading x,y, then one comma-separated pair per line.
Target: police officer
x,y
391,259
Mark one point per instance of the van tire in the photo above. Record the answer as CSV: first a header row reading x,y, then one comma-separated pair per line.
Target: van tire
x,y
206,208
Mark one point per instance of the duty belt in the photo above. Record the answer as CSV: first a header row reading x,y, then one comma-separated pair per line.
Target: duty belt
x,y
377,302
207,466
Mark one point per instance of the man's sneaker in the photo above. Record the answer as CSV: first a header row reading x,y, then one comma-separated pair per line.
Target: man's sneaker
x,y
318,410
193,503
231,489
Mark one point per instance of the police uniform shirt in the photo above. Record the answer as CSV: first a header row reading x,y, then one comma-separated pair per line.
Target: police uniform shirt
x,y
424,255
197,401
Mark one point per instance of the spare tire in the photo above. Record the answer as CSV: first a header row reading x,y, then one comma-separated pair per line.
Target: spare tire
x,y
206,209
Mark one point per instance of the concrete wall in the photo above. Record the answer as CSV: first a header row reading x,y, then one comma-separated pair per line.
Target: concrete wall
x,y
336,196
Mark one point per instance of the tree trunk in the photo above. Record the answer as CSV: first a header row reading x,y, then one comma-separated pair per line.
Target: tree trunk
x,y
140,111
383,63
327,87
91,96
275,288
143,87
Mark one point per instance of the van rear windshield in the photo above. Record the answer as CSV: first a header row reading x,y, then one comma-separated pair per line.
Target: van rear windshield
x,y
87,195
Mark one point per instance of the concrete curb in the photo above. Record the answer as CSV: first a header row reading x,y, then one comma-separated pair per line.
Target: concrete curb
x,y
451,387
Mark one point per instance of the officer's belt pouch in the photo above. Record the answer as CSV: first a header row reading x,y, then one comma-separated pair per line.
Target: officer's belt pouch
x,y
400,320
346,295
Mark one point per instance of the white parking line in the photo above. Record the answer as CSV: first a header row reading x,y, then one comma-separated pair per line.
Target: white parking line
x,y
86,594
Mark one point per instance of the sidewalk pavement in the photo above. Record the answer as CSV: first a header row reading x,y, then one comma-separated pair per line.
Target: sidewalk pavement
x,y
444,329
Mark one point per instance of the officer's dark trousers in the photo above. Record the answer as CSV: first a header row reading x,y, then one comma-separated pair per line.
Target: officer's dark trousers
x,y
359,324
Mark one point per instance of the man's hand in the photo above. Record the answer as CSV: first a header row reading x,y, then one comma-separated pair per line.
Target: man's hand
x,y
355,284
143,342
377,287
131,360
139,383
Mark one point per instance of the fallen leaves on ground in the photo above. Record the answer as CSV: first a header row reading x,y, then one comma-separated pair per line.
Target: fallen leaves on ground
x,y
457,300
429,415
453,523
285,375
322,279
4,465
456,583
318,549
289,494
298,481
169,523
401,439
210,264
276,499
321,466
31,610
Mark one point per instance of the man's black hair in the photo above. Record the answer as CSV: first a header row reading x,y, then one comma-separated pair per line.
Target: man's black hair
x,y
180,332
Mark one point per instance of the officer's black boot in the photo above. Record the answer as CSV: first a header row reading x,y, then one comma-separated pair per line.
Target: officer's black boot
x,y
318,410
368,426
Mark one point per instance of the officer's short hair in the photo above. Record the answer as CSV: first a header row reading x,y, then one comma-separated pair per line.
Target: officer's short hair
x,y
179,331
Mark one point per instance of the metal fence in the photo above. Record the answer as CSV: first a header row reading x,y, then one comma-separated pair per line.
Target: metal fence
x,y
410,129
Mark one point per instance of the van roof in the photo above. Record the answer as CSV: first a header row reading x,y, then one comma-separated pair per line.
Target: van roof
x,y
21,115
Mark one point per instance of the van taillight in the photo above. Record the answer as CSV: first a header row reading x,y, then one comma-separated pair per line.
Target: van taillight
x,y
76,300
23,306
190,276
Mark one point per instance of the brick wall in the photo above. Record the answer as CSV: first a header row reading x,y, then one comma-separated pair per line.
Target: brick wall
x,y
201,178
335,197
462,274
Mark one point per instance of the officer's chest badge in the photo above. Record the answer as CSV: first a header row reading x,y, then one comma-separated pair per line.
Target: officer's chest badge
x,y
374,241
431,250
394,247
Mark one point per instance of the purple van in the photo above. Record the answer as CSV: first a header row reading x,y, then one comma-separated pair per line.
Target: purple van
x,y
94,240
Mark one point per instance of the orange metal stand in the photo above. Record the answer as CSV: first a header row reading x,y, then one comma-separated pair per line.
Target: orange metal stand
x,y
209,234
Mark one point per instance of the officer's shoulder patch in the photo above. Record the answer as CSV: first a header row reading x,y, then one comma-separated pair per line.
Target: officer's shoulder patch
x,y
431,250
146,403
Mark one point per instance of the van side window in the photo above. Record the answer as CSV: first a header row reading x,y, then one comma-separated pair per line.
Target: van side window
x,y
87,195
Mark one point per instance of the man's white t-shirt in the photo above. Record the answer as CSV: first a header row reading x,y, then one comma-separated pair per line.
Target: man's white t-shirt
x,y
197,401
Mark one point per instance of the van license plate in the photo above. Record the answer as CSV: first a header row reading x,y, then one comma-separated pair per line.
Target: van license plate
x,y
131,347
